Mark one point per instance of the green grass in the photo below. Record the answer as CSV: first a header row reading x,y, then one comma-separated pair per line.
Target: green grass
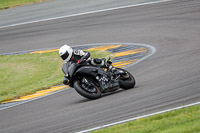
x,y
101,54
186,120
27,73
4,4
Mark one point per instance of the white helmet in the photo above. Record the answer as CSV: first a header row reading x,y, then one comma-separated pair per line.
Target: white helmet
x,y
65,52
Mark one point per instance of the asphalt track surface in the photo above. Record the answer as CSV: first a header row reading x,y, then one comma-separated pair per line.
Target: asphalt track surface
x,y
57,8
167,79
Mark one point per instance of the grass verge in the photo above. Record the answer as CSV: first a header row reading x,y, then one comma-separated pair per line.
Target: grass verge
x,y
25,74
5,4
186,120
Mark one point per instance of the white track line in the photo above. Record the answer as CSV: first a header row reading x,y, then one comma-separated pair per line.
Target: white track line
x,y
135,118
85,13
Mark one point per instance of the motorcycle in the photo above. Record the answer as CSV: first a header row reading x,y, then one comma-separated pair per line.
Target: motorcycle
x,y
91,81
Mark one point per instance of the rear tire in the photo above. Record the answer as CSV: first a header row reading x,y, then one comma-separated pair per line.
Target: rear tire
x,y
84,93
127,83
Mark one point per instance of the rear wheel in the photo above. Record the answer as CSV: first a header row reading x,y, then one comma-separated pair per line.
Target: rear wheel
x,y
89,90
126,81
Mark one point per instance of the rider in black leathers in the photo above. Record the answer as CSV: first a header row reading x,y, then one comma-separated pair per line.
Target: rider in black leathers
x,y
78,56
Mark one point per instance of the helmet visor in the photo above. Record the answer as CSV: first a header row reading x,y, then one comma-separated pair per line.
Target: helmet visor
x,y
65,55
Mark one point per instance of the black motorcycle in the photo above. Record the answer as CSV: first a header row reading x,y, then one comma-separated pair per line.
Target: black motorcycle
x,y
91,81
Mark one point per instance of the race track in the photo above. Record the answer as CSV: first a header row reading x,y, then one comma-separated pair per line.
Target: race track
x,y
167,79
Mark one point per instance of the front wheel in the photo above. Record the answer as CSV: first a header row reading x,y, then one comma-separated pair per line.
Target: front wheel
x,y
126,81
88,91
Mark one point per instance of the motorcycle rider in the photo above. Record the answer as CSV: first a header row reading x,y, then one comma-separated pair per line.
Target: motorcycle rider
x,y
78,56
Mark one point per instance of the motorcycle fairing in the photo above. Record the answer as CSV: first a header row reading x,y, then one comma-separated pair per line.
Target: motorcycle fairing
x,y
98,73
89,70
69,68
65,68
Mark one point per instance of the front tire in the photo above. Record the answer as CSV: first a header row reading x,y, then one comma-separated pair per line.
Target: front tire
x,y
127,83
86,94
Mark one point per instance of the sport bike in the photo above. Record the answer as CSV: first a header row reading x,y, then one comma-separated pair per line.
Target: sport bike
x,y
91,81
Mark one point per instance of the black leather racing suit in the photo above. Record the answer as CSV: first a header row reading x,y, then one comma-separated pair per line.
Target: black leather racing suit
x,y
79,56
